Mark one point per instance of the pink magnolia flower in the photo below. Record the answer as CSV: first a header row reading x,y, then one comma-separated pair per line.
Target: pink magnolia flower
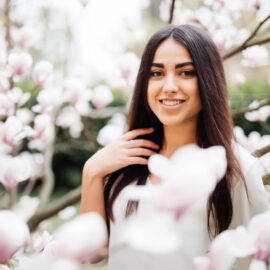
x,y
255,56
43,132
41,72
25,115
101,96
26,207
18,97
48,99
20,63
14,234
7,106
70,118
79,239
13,131
40,241
84,2
4,84
259,115
25,36
13,171
238,79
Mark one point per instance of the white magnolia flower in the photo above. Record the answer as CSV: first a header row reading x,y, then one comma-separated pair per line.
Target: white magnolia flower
x,y
101,96
25,115
25,36
238,79
20,63
26,207
4,84
18,97
41,72
7,106
41,240
255,56
259,115
70,118
67,213
79,239
14,234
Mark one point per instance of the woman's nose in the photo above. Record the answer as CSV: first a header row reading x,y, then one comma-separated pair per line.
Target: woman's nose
x,y
170,84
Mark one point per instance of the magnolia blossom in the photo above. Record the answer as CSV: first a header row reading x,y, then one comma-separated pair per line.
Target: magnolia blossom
x,y
255,56
41,240
26,207
13,131
77,93
4,84
84,2
67,213
113,130
238,79
79,239
259,115
70,118
13,170
20,63
18,97
14,234
48,99
25,115
24,36
7,106
101,96
41,72
43,132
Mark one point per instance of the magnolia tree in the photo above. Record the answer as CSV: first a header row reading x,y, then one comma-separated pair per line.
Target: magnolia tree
x,y
30,119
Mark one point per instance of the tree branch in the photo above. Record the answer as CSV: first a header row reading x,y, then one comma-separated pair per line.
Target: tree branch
x,y
171,11
69,199
48,181
7,24
246,43
262,151
240,112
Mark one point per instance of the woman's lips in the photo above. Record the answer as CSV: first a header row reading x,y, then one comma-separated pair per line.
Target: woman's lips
x,y
171,104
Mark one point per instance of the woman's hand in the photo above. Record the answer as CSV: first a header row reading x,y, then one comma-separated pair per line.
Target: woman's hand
x,y
124,151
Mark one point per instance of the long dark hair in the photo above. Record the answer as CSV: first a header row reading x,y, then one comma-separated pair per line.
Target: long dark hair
x,y
215,125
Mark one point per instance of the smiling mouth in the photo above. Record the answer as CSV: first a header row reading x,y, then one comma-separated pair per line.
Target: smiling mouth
x,y
171,102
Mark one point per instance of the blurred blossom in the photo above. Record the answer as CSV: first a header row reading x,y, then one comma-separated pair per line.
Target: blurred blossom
x,y
101,96
204,15
25,115
70,118
67,213
4,267
256,3
18,97
164,9
20,63
41,72
183,16
113,130
34,162
40,240
241,35
25,36
13,170
225,248
255,56
77,93
7,107
48,99
259,115
43,132
79,239
84,2
26,207
14,234
54,80
4,84
238,79
13,131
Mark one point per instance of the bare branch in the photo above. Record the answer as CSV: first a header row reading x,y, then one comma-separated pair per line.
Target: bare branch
x,y
246,43
69,199
48,181
7,23
253,34
262,151
171,11
239,112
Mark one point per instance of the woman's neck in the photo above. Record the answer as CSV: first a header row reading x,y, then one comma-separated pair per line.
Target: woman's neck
x,y
178,136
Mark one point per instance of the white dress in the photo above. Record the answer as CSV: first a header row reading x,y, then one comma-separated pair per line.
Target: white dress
x,y
192,227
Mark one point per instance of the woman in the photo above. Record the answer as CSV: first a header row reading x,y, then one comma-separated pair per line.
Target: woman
x,y
180,98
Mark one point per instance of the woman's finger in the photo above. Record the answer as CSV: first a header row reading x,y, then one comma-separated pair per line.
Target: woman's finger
x,y
137,160
135,133
141,143
136,152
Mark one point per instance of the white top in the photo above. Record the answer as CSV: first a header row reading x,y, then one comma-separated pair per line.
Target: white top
x,y
243,210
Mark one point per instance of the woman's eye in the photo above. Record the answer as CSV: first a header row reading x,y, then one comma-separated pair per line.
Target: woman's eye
x,y
155,73
188,73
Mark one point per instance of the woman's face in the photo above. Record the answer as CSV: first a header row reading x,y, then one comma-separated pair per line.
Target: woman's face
x,y
173,93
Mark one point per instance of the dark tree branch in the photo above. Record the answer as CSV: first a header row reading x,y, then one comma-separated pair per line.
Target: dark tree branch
x,y
7,24
262,151
245,110
171,12
69,199
246,44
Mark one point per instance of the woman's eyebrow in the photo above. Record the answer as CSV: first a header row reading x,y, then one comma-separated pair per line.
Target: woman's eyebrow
x,y
176,66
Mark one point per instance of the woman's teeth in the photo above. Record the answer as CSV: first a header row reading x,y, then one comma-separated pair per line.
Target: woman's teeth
x,y
171,102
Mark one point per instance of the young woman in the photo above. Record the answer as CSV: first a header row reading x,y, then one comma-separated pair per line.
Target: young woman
x,y
180,98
